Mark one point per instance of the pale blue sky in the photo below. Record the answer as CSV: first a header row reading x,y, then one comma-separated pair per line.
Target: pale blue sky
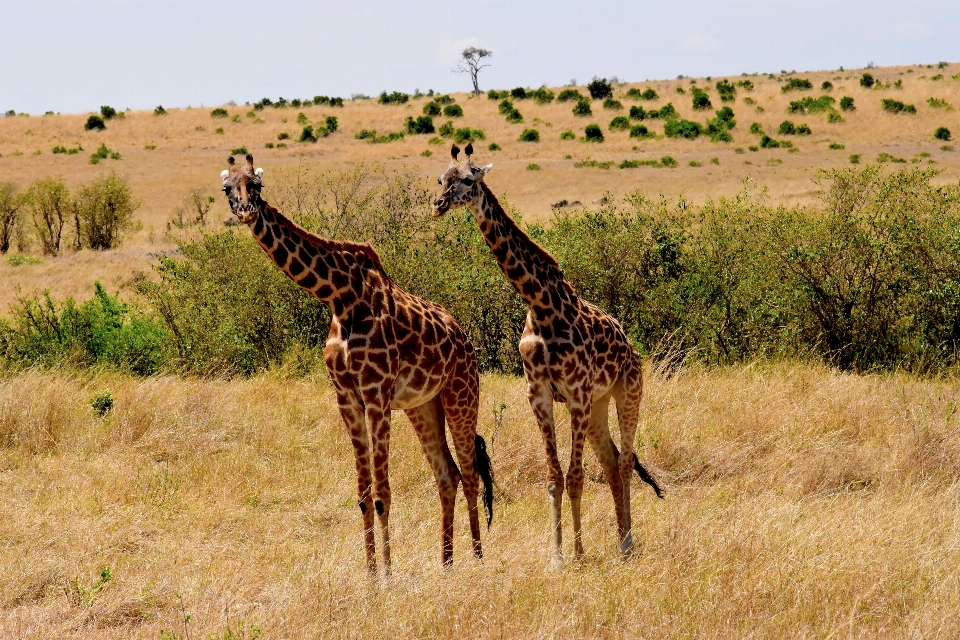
x,y
73,56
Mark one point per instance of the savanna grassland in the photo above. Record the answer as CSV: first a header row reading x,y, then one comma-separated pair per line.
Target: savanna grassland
x,y
202,485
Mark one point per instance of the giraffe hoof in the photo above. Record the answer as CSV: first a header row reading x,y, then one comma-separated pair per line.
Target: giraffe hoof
x,y
626,547
556,564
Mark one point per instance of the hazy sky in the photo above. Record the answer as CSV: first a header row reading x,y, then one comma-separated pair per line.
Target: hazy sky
x,y
73,56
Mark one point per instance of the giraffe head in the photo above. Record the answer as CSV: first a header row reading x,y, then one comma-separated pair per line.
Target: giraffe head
x,y
460,182
242,186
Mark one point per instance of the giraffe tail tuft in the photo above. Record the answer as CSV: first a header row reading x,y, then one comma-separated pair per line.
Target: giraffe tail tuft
x,y
484,469
646,477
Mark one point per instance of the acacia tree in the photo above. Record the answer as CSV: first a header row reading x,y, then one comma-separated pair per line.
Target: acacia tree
x,y
470,63
10,202
50,204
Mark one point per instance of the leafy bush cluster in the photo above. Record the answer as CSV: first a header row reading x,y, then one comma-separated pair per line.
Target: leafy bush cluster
x,y
846,103
942,133
666,161
812,105
593,133
541,95
569,94
512,114
493,94
219,112
682,129
868,279
726,91
896,106
422,125
646,94
620,123
640,131
718,127
530,135
600,89
867,81
787,128
312,133
796,84
397,97
700,99
70,151
582,108
453,111
613,105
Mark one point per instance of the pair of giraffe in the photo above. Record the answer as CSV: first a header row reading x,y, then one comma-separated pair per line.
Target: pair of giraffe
x,y
388,349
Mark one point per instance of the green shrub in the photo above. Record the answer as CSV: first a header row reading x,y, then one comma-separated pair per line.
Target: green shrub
x,y
431,109
811,105
108,112
701,101
803,130
102,212
95,122
366,134
715,161
307,135
283,135
766,142
396,97
796,84
49,203
787,128
694,163
218,131
620,123
446,129
422,125
541,95
331,124
896,106
514,117
666,112
886,157
506,107
942,133
533,166
682,129
530,135
846,103
756,128
336,102
493,146
826,86
596,164
600,89
640,131
302,118
647,94
593,133
568,135
726,91
159,111
612,104
854,158
746,85
393,136
219,112
582,108
867,81
833,117
466,134
268,145
493,94
939,103
518,94
668,161
836,146
239,151
453,111
569,94
637,113
102,403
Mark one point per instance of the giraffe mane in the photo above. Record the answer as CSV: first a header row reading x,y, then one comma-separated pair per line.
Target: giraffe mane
x,y
539,251
319,242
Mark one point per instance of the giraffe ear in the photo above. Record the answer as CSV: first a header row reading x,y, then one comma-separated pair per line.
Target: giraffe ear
x,y
259,172
224,175
483,171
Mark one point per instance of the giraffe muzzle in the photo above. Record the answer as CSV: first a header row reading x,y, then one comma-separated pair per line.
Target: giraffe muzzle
x,y
440,206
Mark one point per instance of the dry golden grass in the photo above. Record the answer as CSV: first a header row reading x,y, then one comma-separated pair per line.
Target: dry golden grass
x,y
801,502
186,158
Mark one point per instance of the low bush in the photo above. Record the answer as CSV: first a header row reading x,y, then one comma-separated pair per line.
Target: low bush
x,y
803,130
668,161
453,111
836,146
466,134
95,122
811,105
533,166
569,94
421,126
541,95
766,142
366,134
613,105
846,103
682,129
637,112
939,103
397,97
393,136
647,94
49,203
108,112
726,91
826,86
283,135
493,146
600,89
306,135
336,102
446,129
701,101
493,94
756,128
796,84
666,112
302,118
582,108
568,135
239,151
514,117
518,94
219,112
11,205
887,157
596,164
833,117
896,106
640,131
620,123
432,109
506,107
102,212
786,128
159,110
942,133
593,133
694,163
718,127
746,85
867,81
854,158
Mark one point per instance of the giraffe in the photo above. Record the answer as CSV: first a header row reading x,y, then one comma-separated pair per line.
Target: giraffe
x,y
387,349
572,352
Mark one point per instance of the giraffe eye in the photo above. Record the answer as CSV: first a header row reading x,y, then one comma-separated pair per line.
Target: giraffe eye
x,y
440,181
468,182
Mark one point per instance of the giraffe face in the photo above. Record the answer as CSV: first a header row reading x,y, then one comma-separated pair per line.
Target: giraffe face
x,y
242,187
461,184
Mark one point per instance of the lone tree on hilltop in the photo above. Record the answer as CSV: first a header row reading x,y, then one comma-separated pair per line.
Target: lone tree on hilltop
x,y
470,63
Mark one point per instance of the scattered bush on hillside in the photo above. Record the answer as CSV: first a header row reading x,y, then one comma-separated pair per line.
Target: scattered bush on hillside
x,y
593,133
582,108
846,103
533,166
796,84
637,112
397,97
826,86
833,117
640,131
666,112
701,101
718,127
867,81
887,157
595,164
682,129
102,212
239,151
466,134
811,105
612,104
219,112
422,125
648,94
108,112
453,111
756,128
431,109
895,106
95,122
600,89
446,129
836,146
159,110
942,133
569,94
493,94
568,135
493,146
306,135
726,91
620,123
11,205
49,203
939,103
302,118
541,95
746,85
766,142
518,94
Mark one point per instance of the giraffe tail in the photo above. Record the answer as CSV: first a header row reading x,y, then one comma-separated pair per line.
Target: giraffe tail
x,y
484,469
646,477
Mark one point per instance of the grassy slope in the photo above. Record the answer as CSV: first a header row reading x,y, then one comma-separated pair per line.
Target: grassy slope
x,y
798,499
186,158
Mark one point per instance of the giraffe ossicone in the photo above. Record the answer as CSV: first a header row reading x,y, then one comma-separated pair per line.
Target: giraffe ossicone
x,y
572,352
387,350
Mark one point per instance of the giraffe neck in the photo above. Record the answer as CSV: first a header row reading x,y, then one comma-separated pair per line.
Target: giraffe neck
x,y
530,268
335,272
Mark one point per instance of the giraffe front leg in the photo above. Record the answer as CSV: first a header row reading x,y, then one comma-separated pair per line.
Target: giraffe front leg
x,y
579,426
352,413
378,420
628,394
